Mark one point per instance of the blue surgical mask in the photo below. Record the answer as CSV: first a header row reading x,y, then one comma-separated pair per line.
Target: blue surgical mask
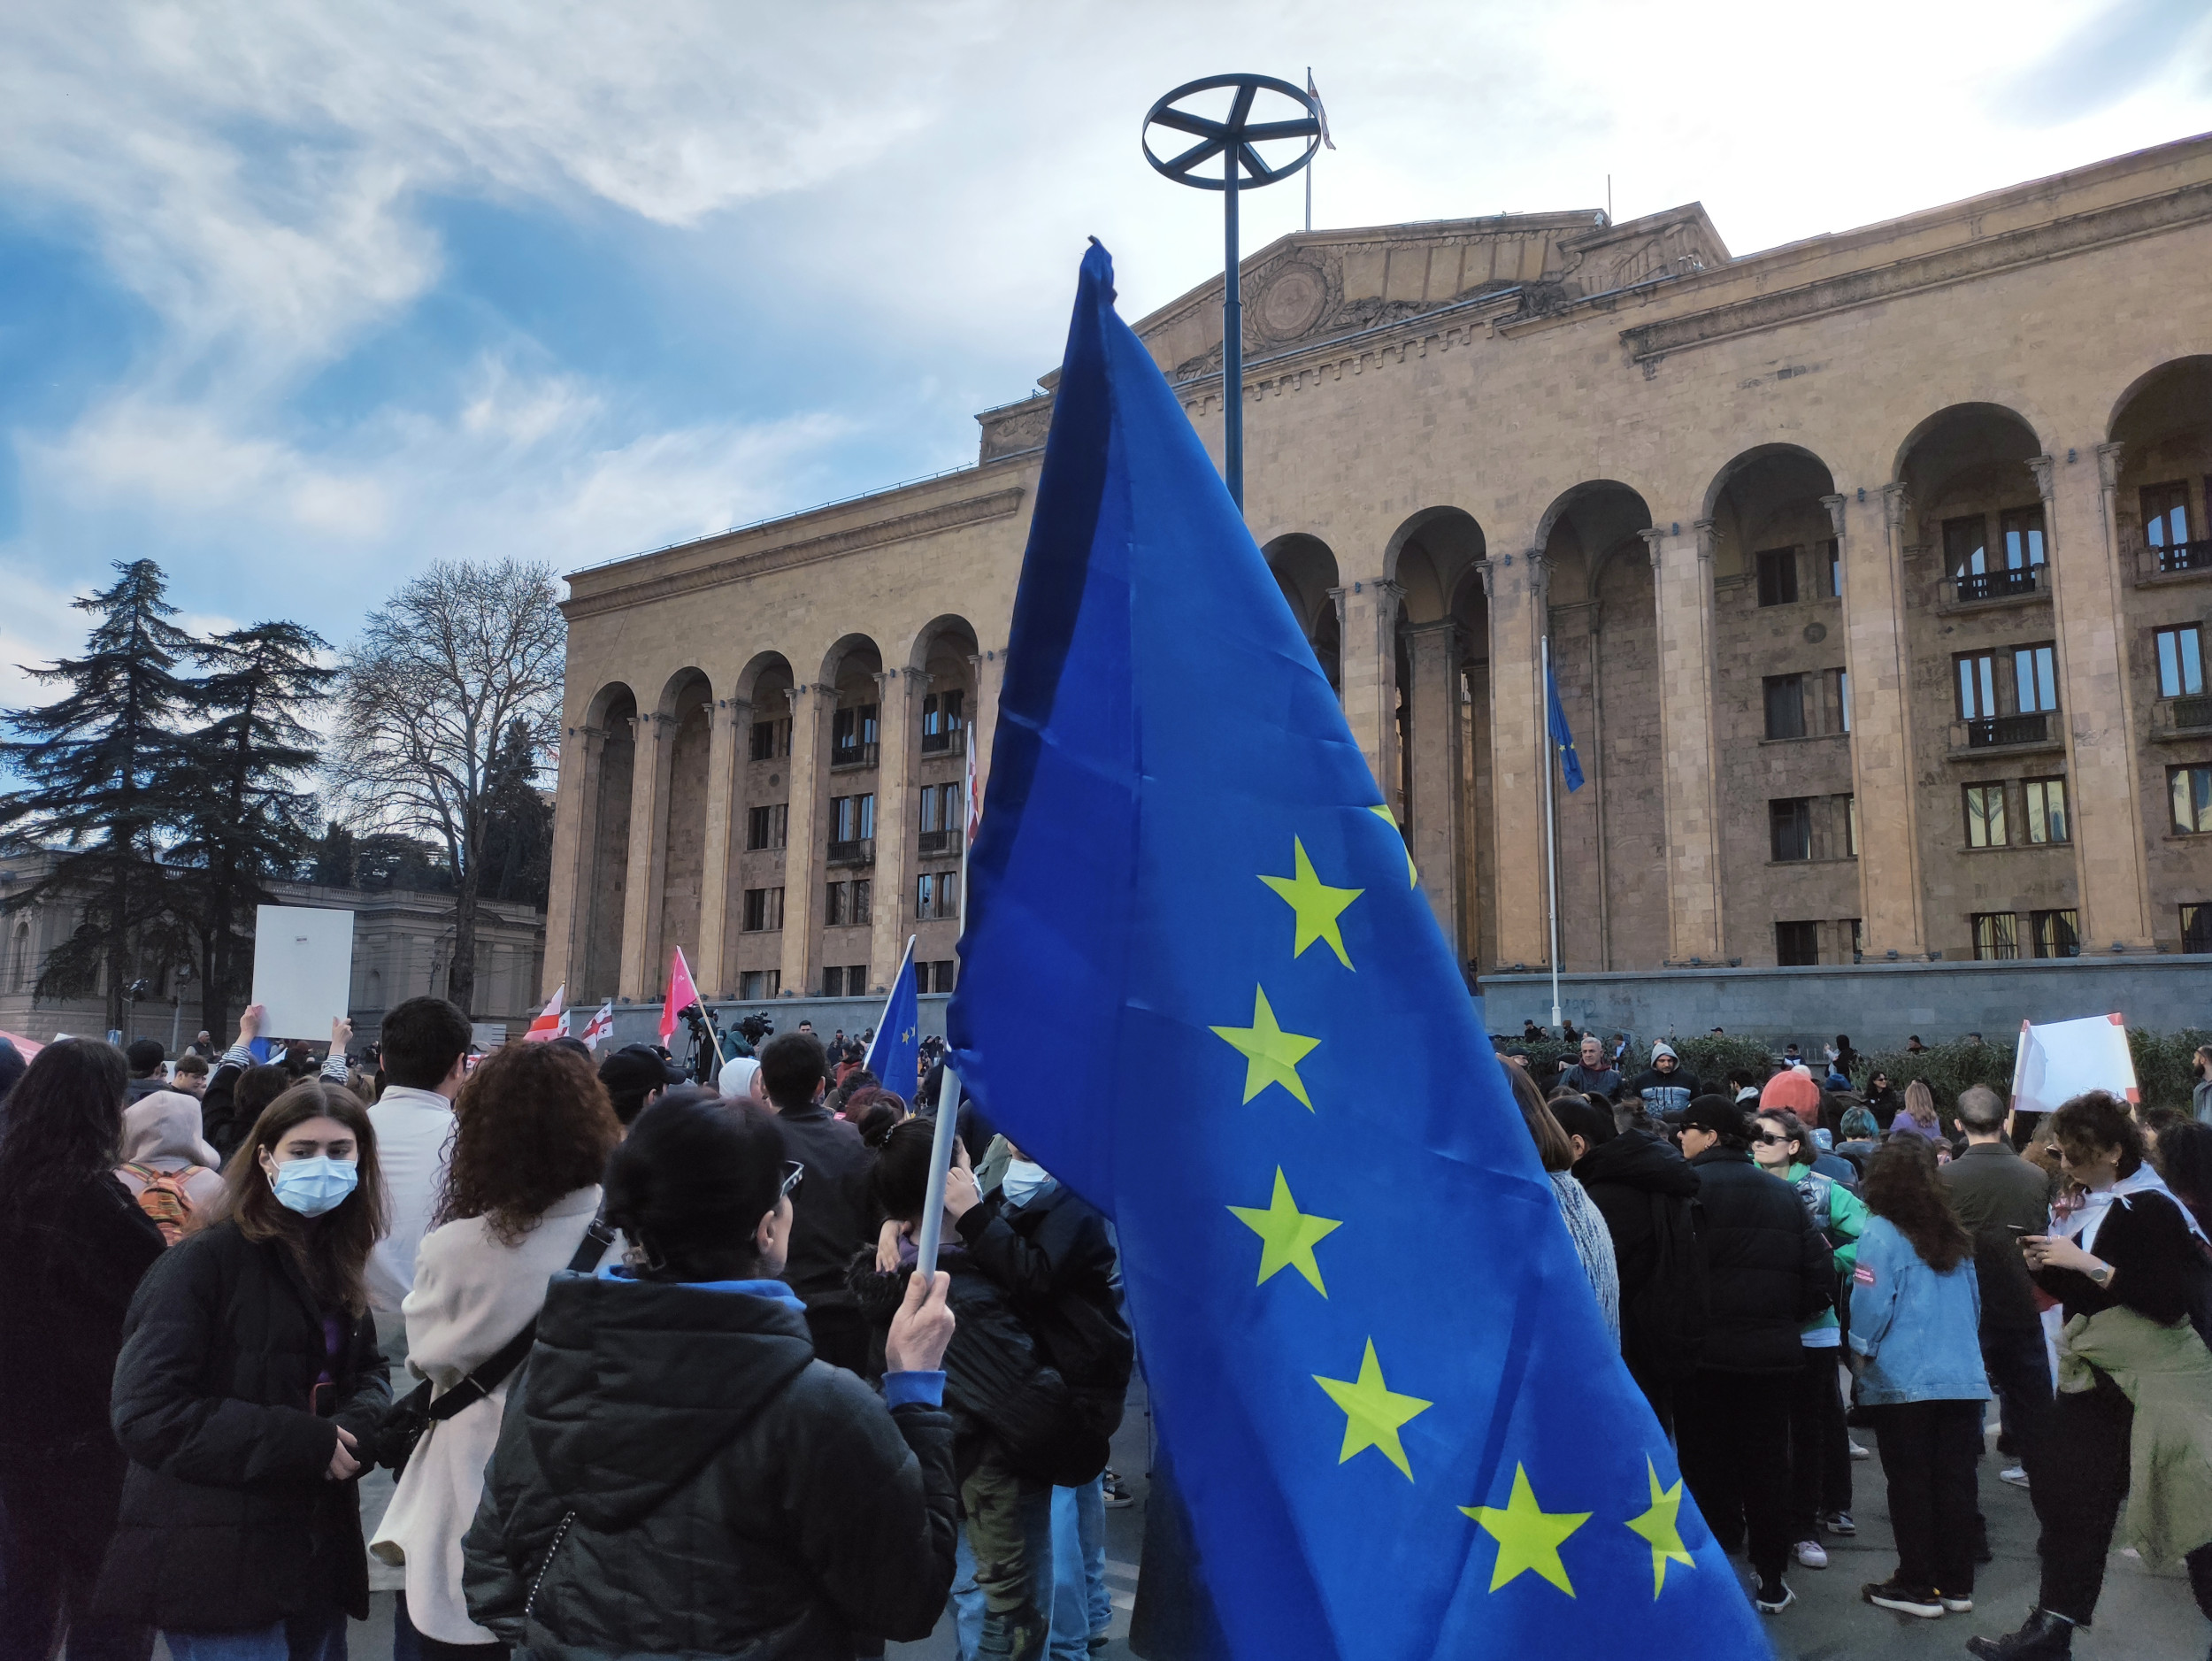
x,y
312,1186
1024,1180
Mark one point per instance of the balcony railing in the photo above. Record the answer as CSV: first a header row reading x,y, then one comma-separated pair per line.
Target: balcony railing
x,y
1977,588
2180,557
847,755
860,851
2003,732
954,743
2188,717
939,843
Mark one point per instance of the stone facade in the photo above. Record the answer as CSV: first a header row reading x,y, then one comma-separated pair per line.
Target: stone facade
x,y
403,944
1853,558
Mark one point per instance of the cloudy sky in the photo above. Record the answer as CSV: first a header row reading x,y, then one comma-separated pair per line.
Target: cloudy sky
x,y
295,297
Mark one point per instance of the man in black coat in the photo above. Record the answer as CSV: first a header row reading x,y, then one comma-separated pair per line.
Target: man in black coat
x,y
832,1220
1644,1189
1767,1272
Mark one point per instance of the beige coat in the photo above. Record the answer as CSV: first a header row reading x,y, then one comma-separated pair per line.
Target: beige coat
x,y
471,1295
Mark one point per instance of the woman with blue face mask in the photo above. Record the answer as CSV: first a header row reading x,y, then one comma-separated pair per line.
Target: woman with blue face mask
x,y
248,1378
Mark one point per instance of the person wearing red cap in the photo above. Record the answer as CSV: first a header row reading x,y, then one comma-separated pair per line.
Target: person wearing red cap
x,y
1791,1090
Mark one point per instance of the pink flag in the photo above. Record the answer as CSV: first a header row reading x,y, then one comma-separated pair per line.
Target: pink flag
x,y
548,1024
681,994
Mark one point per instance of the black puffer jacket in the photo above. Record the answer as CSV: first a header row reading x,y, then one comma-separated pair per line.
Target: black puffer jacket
x,y
1000,1384
1768,1270
229,1520
677,1475
1644,1188
1054,1258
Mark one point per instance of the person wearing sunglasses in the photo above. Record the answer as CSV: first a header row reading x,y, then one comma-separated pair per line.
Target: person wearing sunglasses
x,y
679,1474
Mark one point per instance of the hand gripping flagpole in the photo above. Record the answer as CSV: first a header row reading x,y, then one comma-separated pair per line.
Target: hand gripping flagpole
x,y
1235,139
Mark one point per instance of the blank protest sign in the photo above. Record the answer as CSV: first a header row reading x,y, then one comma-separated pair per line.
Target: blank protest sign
x,y
2060,1059
302,969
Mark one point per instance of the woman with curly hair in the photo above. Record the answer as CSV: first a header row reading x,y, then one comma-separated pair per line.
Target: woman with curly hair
x,y
533,1128
1915,1309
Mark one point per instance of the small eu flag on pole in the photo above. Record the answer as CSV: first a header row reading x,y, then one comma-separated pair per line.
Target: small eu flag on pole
x,y
1392,1406
1563,739
894,1054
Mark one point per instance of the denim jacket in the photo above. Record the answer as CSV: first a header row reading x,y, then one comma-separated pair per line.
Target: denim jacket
x,y
1918,1329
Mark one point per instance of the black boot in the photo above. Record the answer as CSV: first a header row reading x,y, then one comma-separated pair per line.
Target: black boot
x,y
2046,1637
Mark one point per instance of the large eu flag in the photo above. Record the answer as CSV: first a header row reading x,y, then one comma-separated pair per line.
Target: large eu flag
x,y
1199,984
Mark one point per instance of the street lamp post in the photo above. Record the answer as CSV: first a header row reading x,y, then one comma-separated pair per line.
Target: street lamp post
x,y
1234,139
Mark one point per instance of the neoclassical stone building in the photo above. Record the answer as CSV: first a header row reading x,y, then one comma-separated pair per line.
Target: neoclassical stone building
x,y
1875,569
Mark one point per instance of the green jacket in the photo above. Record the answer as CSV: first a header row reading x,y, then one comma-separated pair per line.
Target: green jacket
x,y
1841,1215
2167,1373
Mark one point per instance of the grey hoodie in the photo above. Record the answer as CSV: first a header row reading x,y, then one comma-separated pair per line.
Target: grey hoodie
x,y
163,1130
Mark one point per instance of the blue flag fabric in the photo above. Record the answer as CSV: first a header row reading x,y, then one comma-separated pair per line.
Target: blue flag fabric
x,y
895,1053
1392,1408
1563,739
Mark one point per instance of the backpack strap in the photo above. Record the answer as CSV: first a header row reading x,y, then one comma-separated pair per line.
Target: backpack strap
x,y
593,1247
474,1386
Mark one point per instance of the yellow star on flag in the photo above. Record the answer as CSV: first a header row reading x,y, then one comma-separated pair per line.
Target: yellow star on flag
x,y
1272,1055
1373,1412
1413,876
1528,1536
1317,905
1288,1235
1661,1529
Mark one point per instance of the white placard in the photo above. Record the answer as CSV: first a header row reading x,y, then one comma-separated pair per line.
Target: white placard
x,y
302,969
2058,1060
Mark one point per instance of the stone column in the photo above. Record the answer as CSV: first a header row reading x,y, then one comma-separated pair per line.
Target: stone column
x,y
1519,593
1336,598
1877,657
1433,805
575,826
642,973
989,670
900,730
726,814
2097,703
1682,581
1368,673
806,852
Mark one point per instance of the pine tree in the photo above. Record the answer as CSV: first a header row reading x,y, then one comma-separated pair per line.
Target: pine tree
x,y
333,861
248,821
105,774
517,824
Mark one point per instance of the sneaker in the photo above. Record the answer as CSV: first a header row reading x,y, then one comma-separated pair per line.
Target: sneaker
x,y
2015,1474
1811,1553
1774,1596
1839,1523
1858,1452
1955,1604
1118,1497
1906,1600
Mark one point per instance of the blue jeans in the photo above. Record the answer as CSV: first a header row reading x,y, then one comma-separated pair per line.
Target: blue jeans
x,y
1081,1602
320,1635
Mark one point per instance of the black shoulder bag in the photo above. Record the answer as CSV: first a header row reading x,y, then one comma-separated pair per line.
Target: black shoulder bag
x,y
408,1420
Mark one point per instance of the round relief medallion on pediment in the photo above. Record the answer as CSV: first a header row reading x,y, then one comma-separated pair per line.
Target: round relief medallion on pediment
x,y
1290,301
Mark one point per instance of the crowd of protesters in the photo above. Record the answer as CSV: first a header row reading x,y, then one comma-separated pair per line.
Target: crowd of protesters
x,y
670,1384
1793,1256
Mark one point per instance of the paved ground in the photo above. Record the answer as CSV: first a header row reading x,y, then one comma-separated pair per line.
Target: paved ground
x,y
2143,1617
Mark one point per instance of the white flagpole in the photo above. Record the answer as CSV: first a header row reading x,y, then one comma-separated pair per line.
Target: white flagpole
x,y
1551,838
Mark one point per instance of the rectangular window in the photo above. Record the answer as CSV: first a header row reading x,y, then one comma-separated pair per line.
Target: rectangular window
x,y
864,901
1785,706
1797,945
2166,514
2034,679
2055,933
941,807
937,894
771,739
1839,697
2181,661
2192,791
1778,577
1832,565
941,713
2196,928
764,910
852,818
1848,811
853,737
935,976
1858,937
760,983
1996,936
1978,686
1986,816
766,826
833,905
2023,532
1966,545
834,982
2046,810
1790,828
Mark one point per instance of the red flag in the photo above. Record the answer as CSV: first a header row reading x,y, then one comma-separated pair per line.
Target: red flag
x,y
548,1024
601,1025
681,994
